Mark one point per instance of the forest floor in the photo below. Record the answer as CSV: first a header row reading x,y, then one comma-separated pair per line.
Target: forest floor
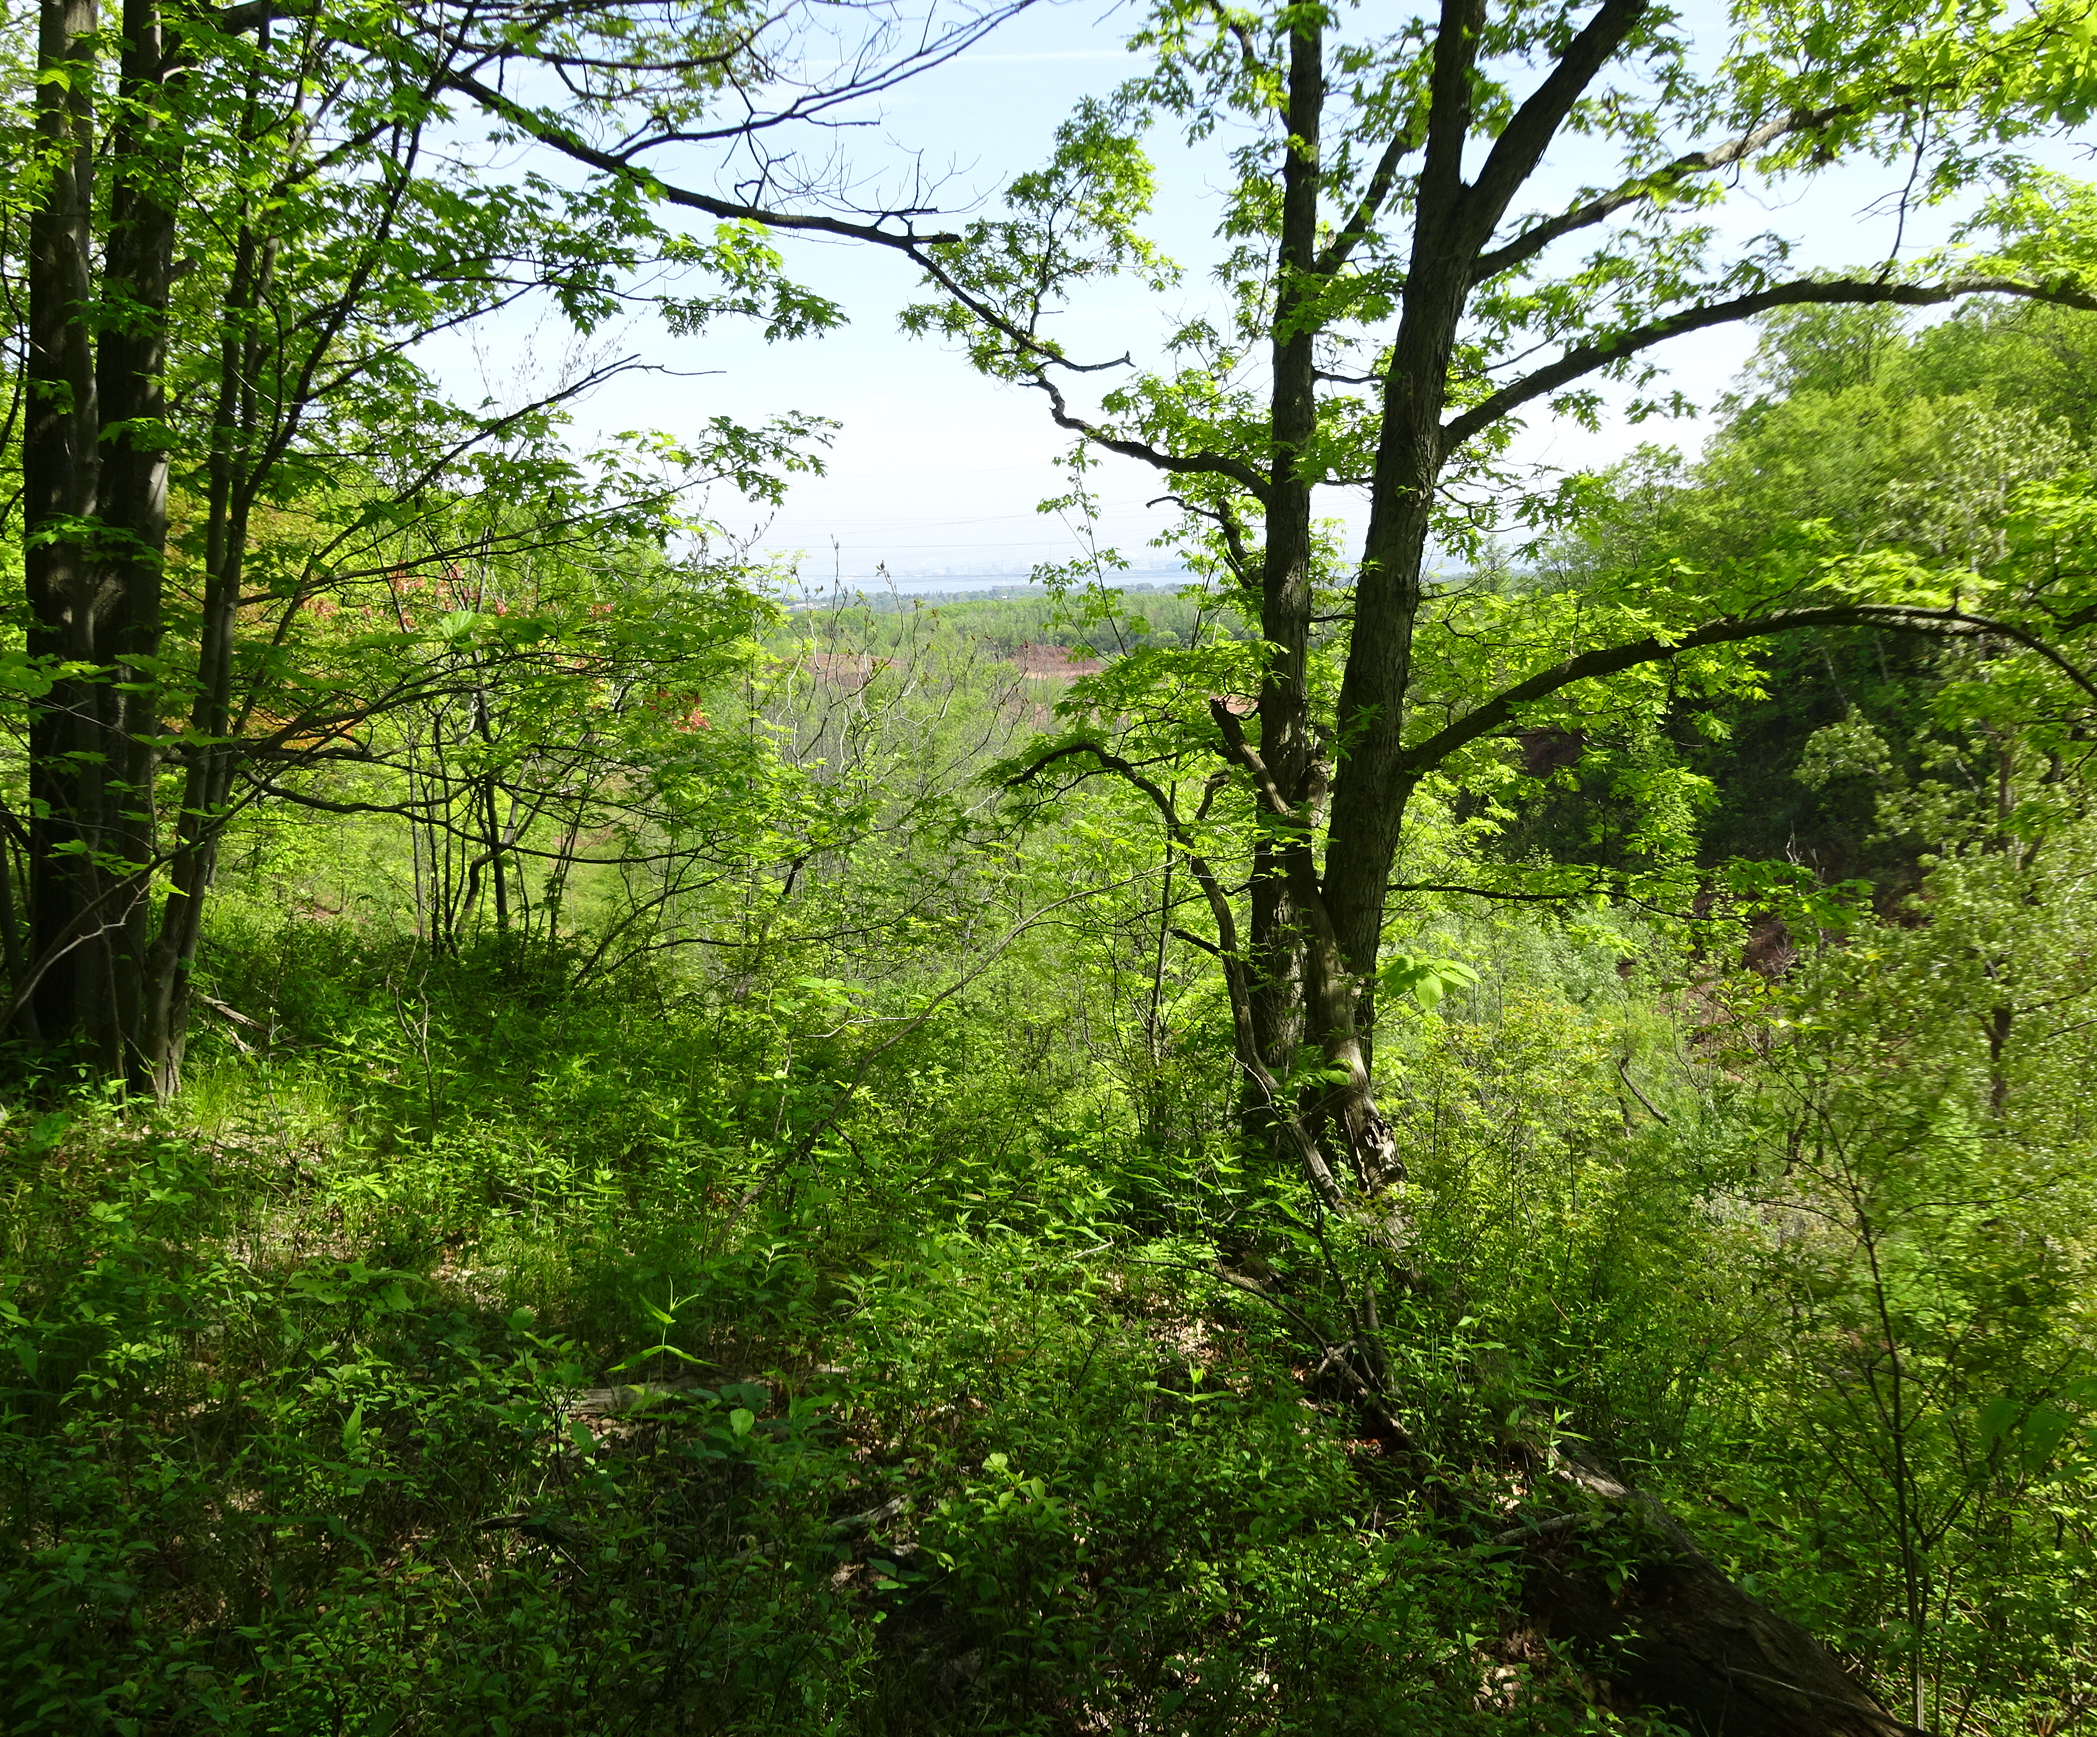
x,y
396,1384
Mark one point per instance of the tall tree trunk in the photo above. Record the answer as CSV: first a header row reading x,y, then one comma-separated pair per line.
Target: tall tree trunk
x,y
131,368
95,485
208,772
1370,792
1276,962
59,463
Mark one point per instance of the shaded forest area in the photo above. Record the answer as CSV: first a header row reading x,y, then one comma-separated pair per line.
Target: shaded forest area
x,y
1484,1130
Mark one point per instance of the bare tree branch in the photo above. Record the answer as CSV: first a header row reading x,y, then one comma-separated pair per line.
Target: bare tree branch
x,y
552,134
1356,229
1534,240
1494,714
1589,358
1200,464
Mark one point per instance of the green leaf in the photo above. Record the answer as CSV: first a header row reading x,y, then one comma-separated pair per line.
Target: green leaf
x,y
1425,979
1998,1417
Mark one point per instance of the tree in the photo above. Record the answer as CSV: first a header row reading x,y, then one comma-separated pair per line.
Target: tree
x,y
1932,440
1405,310
1917,1156
1397,304
224,297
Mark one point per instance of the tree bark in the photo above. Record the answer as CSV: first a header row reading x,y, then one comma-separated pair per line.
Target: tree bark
x,y
1276,962
210,758
131,369
67,971
1678,1634
95,483
1368,799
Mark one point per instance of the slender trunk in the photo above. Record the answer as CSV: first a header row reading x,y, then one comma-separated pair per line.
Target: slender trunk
x,y
416,867
131,387
1896,1413
190,875
557,881
470,898
1371,787
490,817
498,880
2001,1023
456,888
208,773
1276,962
1153,1019
11,935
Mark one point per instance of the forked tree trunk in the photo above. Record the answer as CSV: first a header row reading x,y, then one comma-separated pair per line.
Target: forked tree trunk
x,y
1679,1635
1676,1635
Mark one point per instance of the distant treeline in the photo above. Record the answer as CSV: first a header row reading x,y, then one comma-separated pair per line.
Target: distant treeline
x,y
1009,618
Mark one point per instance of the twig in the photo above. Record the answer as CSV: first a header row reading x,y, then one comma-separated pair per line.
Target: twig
x,y
1623,1072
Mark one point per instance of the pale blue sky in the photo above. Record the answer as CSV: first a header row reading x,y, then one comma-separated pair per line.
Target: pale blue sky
x,y
937,469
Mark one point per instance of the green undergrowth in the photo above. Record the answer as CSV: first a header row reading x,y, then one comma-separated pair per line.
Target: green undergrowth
x,y
466,1356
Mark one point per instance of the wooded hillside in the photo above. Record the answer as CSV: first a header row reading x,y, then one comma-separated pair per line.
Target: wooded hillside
x,y
1479,1120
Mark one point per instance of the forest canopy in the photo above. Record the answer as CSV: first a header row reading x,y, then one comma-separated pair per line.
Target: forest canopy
x,y
1477,1119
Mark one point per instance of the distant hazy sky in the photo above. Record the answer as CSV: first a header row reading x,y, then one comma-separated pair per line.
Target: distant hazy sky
x,y
937,469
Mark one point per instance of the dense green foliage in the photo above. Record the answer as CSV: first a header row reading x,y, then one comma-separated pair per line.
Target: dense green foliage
x,y
1114,618
691,1163
799,1295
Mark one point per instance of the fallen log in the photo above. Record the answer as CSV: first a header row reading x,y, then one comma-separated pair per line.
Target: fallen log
x,y
1656,1622
1662,1626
